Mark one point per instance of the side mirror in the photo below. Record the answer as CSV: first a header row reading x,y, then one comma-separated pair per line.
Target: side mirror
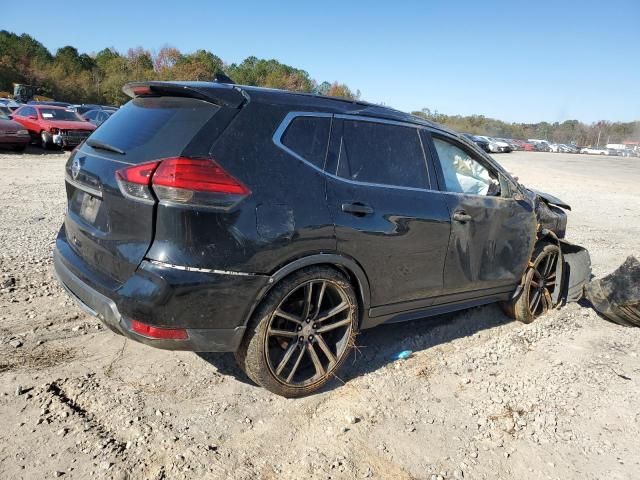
x,y
32,117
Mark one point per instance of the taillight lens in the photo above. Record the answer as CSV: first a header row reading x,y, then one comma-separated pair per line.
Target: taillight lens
x,y
182,181
189,181
135,182
150,331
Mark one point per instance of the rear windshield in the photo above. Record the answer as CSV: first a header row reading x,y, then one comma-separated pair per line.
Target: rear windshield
x,y
150,128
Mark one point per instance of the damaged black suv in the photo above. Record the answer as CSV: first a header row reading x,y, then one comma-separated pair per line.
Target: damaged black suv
x,y
276,225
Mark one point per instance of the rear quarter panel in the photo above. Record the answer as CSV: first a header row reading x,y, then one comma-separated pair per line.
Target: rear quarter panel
x,y
285,217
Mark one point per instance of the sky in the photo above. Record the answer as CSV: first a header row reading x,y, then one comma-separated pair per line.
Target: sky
x,y
515,61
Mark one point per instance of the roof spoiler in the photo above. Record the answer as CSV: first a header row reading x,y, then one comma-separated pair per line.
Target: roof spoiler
x,y
219,93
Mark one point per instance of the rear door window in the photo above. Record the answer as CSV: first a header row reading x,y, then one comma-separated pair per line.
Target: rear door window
x,y
27,111
381,153
151,128
308,137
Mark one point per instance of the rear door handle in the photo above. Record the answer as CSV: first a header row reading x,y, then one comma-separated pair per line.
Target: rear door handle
x,y
462,216
358,209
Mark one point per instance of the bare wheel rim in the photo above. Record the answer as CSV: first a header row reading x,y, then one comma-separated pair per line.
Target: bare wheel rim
x,y
542,284
309,333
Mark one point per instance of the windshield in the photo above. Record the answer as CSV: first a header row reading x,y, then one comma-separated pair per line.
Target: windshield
x,y
59,114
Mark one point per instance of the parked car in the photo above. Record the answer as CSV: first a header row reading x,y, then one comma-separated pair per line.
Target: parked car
x,y
12,134
97,117
83,109
512,143
9,104
595,150
50,103
482,143
53,126
495,145
277,224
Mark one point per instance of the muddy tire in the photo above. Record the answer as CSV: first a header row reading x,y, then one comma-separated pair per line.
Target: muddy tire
x,y
301,333
539,283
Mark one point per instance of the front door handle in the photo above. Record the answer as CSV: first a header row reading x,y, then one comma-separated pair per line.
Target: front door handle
x,y
358,209
462,216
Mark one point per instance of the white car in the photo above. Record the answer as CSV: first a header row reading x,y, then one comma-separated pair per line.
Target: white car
x,y
496,146
595,151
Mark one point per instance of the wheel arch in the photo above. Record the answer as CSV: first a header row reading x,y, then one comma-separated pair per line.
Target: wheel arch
x,y
346,265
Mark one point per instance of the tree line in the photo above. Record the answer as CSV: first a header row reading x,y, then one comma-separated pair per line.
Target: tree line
x,y
582,134
76,77
98,78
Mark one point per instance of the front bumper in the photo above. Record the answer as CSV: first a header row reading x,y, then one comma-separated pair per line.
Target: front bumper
x,y
69,140
114,310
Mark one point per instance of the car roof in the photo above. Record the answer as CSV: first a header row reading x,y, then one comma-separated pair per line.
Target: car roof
x,y
49,107
295,100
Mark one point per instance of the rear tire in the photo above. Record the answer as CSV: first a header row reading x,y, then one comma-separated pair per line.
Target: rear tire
x,y
302,332
539,283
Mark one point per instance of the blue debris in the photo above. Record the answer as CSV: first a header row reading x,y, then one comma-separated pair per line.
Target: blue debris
x,y
403,355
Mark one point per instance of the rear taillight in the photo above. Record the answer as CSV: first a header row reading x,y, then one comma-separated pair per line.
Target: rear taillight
x,y
150,331
135,182
182,181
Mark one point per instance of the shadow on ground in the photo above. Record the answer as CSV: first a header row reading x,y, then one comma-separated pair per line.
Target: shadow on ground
x,y
377,347
33,150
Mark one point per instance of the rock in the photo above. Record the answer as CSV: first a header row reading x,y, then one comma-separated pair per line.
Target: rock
x,y
458,474
106,465
352,419
58,473
19,390
15,343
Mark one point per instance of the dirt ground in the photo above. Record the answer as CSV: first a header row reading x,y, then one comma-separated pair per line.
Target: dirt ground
x,y
481,396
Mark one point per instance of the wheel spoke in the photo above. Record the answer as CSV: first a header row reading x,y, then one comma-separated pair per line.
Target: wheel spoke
x,y
551,260
536,302
332,312
294,369
315,359
333,326
320,298
534,284
325,348
286,357
308,291
288,316
281,333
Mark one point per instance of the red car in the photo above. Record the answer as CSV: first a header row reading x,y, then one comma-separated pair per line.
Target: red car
x,y
53,125
12,134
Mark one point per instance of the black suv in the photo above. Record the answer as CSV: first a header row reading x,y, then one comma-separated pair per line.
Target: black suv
x,y
215,217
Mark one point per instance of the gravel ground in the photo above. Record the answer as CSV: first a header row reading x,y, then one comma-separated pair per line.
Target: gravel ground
x,y
481,396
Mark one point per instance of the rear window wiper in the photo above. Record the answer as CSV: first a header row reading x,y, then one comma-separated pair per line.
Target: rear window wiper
x,y
104,146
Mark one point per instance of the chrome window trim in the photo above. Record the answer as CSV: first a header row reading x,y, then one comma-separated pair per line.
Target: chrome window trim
x,y
277,139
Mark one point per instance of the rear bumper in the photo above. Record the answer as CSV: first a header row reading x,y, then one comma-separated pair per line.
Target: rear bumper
x,y
154,298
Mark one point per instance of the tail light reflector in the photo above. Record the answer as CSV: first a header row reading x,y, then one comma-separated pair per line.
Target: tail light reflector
x,y
135,182
158,332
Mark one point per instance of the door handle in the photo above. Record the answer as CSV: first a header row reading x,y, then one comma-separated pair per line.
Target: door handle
x,y
462,216
358,209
